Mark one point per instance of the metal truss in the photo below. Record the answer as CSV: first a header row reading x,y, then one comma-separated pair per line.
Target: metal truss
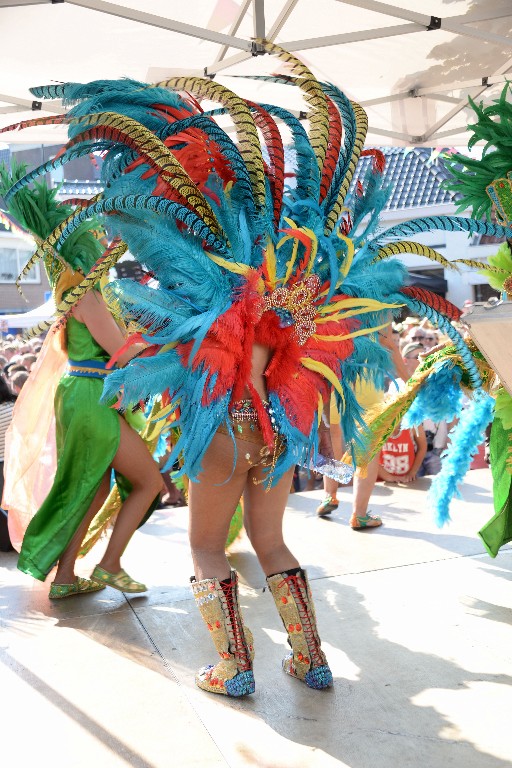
x,y
413,22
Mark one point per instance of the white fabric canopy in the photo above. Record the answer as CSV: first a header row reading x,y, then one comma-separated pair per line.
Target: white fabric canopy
x,y
413,71
28,319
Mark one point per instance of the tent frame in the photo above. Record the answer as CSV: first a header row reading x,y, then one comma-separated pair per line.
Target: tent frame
x,y
415,23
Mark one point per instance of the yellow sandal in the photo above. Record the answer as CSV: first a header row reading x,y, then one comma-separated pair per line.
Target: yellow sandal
x,y
78,587
120,580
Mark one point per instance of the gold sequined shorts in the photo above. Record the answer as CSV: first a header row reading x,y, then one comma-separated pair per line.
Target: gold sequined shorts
x,y
245,425
244,422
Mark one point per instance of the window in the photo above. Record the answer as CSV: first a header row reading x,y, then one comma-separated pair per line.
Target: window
x,y
484,292
12,261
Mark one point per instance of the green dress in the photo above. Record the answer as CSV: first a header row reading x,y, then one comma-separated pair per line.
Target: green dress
x,y
88,435
498,531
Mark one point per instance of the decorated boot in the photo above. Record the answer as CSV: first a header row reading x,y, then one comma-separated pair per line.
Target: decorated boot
x,y
218,603
292,596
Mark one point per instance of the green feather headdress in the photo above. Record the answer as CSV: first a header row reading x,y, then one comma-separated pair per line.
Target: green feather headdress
x,y
37,210
485,185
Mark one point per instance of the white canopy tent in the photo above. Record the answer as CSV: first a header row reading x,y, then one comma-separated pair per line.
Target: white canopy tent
x,y
27,319
412,71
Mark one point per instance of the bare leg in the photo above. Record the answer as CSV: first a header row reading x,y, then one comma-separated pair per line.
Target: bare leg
x,y
363,487
212,503
263,518
330,502
134,461
66,566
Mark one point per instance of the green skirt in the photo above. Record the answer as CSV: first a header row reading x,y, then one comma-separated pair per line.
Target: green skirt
x,y
88,435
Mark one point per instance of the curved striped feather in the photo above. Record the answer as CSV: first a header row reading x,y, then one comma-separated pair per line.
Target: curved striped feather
x,y
361,130
333,149
315,97
442,223
242,118
275,149
481,265
126,203
348,121
53,91
106,125
409,246
226,144
54,120
307,175
51,165
434,301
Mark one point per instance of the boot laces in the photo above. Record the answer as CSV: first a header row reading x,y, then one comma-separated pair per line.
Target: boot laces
x,y
241,651
298,590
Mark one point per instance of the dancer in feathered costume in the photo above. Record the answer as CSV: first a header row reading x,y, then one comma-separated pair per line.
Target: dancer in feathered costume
x,y
485,186
51,507
263,299
435,390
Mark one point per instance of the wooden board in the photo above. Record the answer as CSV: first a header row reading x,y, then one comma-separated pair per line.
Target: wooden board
x,y
490,326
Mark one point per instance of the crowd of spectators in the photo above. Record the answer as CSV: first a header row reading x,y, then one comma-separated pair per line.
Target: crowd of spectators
x,y
17,356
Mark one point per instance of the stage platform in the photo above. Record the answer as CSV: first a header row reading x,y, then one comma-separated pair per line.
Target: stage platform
x,y
416,623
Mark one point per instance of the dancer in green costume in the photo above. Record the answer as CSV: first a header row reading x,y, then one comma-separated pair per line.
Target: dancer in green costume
x,y
91,438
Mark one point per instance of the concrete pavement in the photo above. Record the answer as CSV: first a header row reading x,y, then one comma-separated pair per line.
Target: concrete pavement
x,y
416,623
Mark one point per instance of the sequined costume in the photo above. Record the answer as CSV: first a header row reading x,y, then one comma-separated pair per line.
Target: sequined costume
x,y
234,257
235,261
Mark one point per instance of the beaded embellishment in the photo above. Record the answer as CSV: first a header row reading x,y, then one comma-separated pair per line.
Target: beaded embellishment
x,y
295,306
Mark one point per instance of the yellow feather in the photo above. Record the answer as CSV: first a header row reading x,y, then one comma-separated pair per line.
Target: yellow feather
x,y
368,305
314,248
362,332
238,269
290,264
350,254
323,370
270,261
320,409
409,246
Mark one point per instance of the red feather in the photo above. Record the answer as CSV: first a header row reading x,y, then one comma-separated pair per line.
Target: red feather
x,y
274,144
379,161
333,148
443,306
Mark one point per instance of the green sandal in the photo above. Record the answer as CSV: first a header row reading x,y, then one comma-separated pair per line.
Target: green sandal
x,y
327,506
120,580
366,521
78,587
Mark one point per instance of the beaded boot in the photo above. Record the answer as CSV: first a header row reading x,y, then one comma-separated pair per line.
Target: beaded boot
x,y
292,596
218,604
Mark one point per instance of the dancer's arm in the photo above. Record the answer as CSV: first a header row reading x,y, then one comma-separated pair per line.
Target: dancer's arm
x,y
94,313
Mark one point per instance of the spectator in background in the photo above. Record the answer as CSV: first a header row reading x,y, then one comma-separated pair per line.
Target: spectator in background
x,y
12,370
402,455
28,360
7,400
424,335
8,351
410,355
18,380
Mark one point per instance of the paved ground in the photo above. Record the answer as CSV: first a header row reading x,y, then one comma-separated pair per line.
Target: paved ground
x,y
416,623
